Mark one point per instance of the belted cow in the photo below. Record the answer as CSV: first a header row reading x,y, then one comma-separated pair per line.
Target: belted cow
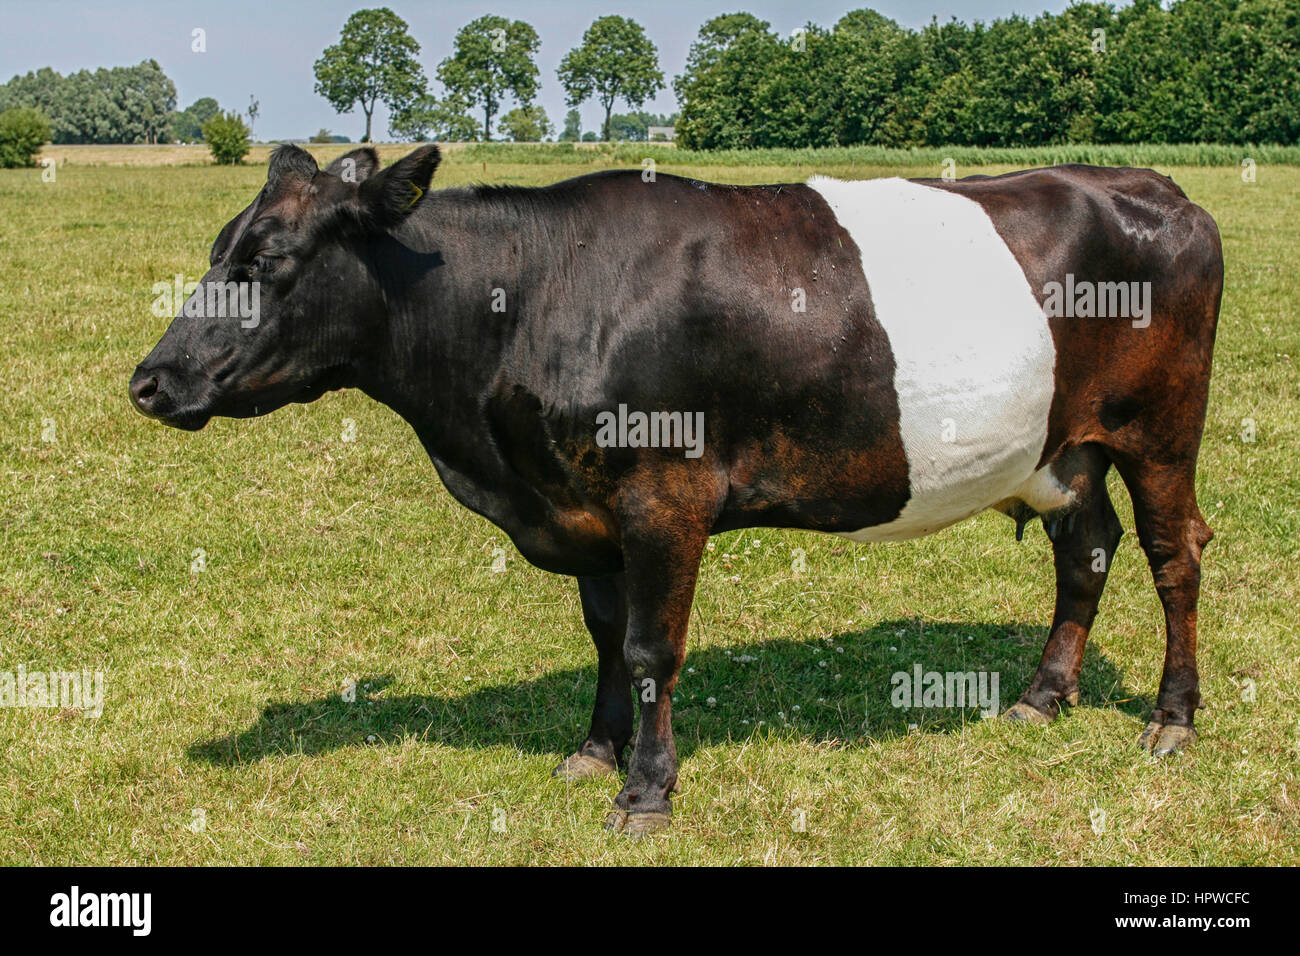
x,y
613,368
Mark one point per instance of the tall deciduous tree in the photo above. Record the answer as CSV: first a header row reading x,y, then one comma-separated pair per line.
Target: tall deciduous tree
x,y
373,62
148,95
492,59
727,70
714,38
615,61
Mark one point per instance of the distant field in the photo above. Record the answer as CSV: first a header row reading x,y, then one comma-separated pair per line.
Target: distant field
x,y
172,155
632,154
230,583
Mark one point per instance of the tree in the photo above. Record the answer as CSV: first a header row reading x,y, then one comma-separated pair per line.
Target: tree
x,y
185,129
322,136
1158,79
527,124
254,109
373,62
43,90
572,127
203,109
227,138
628,127
800,101
187,125
427,117
1020,83
149,98
714,38
871,59
23,131
491,59
615,61
1259,43
728,72
635,127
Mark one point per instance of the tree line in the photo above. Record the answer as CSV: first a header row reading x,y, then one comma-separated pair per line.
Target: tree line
x,y
1224,71
120,104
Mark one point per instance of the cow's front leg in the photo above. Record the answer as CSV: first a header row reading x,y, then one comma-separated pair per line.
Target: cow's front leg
x,y
661,567
604,610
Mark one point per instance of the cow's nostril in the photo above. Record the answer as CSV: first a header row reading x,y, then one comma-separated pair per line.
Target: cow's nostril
x,y
143,390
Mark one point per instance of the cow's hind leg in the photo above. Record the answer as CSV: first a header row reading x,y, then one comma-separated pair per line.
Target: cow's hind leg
x,y
1172,532
604,610
1083,545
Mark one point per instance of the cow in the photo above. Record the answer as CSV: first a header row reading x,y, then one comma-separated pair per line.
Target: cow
x,y
876,359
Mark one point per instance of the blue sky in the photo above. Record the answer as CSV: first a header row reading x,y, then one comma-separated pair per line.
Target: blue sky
x,y
267,48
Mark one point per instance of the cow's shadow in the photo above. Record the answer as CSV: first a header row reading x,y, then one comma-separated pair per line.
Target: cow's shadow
x,y
842,690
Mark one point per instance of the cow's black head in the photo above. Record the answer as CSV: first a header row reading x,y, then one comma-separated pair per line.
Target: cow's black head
x,y
290,303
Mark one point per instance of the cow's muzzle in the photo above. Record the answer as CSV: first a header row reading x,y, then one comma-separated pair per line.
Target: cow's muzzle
x,y
155,393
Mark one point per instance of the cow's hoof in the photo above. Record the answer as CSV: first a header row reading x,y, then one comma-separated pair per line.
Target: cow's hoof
x,y
1027,713
637,824
1165,739
582,766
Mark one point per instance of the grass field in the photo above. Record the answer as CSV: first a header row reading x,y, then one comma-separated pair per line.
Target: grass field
x,y
230,583
631,154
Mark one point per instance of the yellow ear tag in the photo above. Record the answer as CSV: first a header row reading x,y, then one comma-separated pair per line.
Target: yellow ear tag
x,y
418,192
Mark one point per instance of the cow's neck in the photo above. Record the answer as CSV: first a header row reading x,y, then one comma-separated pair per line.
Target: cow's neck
x,y
447,338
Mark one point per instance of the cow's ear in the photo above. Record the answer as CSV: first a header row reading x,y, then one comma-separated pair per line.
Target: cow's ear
x,y
356,166
289,162
388,197
226,238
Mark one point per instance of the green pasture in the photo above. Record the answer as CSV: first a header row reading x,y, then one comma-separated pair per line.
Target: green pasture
x,y
232,584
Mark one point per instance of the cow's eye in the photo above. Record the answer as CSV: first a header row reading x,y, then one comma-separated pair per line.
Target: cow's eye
x,y
260,265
